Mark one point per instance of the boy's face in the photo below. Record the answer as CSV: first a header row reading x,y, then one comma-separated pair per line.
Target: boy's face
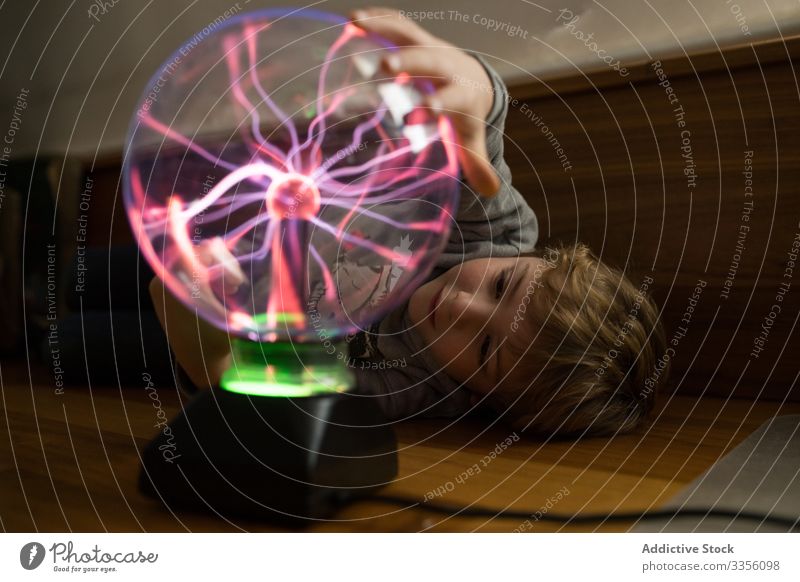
x,y
475,307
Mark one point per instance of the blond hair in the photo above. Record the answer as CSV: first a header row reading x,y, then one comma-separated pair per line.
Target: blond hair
x,y
586,352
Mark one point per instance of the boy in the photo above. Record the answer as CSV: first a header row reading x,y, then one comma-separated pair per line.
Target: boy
x,y
556,342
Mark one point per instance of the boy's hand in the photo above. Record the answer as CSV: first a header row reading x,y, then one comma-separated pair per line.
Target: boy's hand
x,y
200,348
463,88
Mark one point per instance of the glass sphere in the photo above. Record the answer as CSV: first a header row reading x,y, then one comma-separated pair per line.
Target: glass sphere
x,y
284,185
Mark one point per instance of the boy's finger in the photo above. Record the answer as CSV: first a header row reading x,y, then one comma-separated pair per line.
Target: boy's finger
x,y
391,25
473,154
452,99
477,170
418,62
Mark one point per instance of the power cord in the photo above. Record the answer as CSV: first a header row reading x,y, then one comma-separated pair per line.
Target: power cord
x,y
456,511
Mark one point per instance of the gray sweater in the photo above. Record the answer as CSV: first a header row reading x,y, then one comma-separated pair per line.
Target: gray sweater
x,y
409,383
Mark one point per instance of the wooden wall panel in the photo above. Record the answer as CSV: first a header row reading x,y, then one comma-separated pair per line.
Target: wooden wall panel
x,y
627,196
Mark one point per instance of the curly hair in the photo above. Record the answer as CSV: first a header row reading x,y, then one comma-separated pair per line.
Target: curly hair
x,y
589,352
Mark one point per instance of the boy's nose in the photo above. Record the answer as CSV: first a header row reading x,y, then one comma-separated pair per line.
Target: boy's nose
x,y
469,309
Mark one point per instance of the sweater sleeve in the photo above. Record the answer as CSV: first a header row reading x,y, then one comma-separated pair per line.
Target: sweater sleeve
x,y
406,392
501,226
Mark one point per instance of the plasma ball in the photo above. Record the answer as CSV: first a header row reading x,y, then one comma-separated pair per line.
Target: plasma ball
x,y
295,196
282,184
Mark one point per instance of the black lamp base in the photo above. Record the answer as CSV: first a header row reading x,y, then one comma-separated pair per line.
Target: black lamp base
x,y
284,459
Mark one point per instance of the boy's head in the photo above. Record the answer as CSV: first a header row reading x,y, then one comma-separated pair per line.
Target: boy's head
x,y
558,341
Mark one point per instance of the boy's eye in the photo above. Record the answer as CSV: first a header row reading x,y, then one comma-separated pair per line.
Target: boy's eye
x,y
484,350
500,285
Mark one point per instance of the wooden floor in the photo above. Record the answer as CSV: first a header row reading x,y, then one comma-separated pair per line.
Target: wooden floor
x,y
69,462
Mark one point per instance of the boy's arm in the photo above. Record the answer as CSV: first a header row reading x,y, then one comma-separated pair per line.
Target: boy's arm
x,y
503,225
405,392
493,219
